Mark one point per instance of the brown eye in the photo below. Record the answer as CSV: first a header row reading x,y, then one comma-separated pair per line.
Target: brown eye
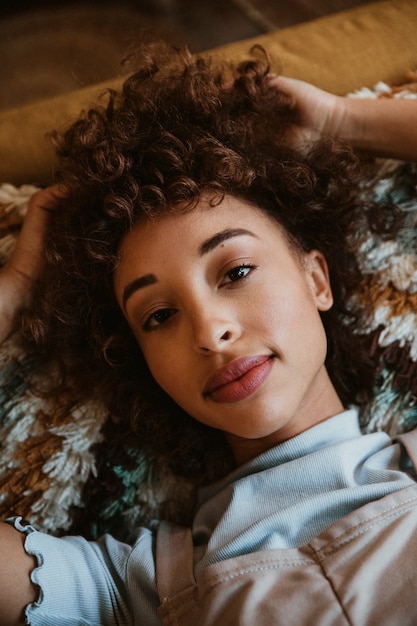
x,y
237,273
159,317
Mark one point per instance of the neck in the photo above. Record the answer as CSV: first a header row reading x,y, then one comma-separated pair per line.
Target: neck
x,y
318,407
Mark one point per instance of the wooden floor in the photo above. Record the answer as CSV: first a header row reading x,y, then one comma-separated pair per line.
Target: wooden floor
x,y
208,23
203,23
48,48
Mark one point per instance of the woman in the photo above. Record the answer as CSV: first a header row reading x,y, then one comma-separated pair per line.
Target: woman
x,y
199,277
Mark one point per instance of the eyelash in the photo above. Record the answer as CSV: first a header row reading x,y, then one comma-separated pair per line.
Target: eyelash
x,y
149,327
238,268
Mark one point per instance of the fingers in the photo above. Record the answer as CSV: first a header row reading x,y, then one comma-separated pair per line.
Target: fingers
x,y
48,199
22,271
27,257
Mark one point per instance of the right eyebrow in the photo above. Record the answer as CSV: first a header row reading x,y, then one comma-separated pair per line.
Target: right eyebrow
x,y
224,235
137,283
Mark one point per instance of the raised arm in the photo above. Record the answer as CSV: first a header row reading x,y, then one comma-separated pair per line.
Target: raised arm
x,y
384,127
16,589
18,276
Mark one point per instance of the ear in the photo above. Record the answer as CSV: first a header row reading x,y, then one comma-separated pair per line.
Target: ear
x,y
318,278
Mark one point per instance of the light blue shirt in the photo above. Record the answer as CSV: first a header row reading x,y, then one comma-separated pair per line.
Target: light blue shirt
x,y
289,494
281,499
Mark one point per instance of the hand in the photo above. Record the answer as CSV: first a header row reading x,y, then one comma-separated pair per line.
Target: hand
x,y
321,114
376,127
18,277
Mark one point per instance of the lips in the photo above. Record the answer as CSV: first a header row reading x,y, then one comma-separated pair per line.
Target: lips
x,y
238,379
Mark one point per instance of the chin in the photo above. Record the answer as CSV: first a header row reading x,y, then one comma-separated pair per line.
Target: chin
x,y
258,432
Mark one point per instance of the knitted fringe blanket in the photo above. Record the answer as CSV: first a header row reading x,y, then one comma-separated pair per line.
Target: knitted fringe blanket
x,y
61,469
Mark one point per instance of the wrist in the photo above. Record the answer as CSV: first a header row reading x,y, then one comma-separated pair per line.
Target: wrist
x,y
15,296
380,127
344,123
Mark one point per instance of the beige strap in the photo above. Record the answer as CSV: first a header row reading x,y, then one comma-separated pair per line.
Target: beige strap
x,y
409,442
174,560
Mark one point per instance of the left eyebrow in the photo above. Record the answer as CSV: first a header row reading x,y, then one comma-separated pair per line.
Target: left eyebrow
x,y
218,238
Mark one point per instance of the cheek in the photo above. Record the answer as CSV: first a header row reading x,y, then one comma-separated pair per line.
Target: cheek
x,y
276,310
294,321
310,337
167,367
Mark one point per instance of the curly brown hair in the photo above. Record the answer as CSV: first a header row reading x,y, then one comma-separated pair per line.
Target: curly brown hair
x,y
182,126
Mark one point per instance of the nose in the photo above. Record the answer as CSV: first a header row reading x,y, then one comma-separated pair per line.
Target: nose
x,y
215,326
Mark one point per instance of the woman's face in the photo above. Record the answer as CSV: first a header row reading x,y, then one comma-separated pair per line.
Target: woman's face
x,y
226,313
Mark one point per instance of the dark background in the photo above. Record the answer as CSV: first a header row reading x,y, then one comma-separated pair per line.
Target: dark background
x,y
49,48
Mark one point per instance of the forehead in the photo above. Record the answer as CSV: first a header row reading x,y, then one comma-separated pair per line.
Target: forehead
x,y
192,227
177,241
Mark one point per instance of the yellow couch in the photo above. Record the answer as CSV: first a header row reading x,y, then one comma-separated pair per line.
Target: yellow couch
x,y
340,53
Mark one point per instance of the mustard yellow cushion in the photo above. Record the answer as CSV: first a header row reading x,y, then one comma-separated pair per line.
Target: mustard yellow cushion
x,y
339,53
